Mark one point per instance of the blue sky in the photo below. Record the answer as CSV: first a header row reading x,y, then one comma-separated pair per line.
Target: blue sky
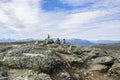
x,y
84,19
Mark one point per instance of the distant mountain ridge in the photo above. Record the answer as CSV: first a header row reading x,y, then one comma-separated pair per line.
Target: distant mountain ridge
x,y
79,42
112,46
105,41
82,42
15,40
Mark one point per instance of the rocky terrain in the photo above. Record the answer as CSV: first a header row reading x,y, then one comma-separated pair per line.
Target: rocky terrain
x,y
48,60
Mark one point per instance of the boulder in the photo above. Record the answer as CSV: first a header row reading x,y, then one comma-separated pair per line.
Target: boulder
x,y
62,49
18,51
117,59
114,70
96,53
3,74
48,41
64,75
4,71
57,41
41,76
5,48
76,76
36,42
34,76
77,51
4,78
46,61
64,41
74,60
99,67
107,60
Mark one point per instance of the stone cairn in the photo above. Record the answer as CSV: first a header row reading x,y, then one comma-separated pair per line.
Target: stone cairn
x,y
50,41
64,41
57,41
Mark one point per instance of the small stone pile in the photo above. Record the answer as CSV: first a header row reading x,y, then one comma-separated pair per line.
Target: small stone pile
x,y
51,41
48,40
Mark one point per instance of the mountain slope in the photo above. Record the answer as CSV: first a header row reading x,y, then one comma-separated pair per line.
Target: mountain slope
x,y
113,46
105,41
79,42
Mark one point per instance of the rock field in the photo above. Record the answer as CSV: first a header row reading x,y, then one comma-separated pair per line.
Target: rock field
x,y
55,61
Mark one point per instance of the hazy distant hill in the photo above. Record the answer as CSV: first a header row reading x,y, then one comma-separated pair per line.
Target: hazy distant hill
x,y
82,42
105,41
7,40
14,40
113,46
79,42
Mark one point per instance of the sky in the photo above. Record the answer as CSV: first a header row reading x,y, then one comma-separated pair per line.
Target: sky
x,y
82,19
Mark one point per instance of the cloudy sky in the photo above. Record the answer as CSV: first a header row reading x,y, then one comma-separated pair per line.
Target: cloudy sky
x,y
84,19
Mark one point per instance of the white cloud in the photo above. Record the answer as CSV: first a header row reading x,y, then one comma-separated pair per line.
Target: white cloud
x,y
19,15
94,3
26,19
81,18
105,30
107,3
77,2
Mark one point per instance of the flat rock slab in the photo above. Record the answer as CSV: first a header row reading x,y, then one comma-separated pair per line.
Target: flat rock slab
x,y
104,60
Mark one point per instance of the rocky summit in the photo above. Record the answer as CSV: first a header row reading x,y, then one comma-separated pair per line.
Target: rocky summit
x,y
49,60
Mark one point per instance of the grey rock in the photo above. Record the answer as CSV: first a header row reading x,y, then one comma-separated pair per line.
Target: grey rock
x,y
105,60
41,44
46,61
18,51
74,60
5,48
41,76
3,72
57,41
36,42
96,53
99,67
117,59
77,51
62,49
88,73
64,41
4,78
115,70
34,76
48,41
76,76
65,75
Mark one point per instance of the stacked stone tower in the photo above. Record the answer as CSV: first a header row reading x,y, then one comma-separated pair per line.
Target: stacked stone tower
x,y
48,40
